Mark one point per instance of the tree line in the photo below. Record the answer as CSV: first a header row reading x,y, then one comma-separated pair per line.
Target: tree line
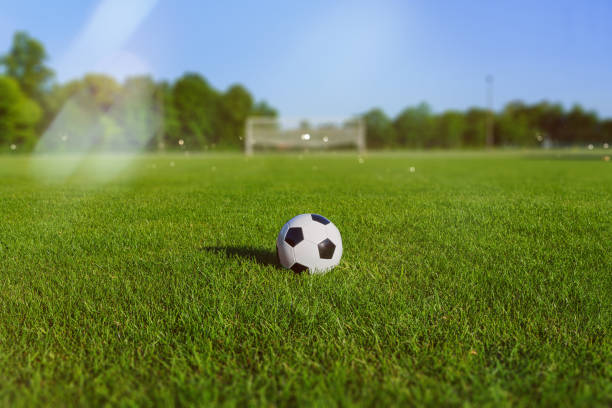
x,y
517,124
189,111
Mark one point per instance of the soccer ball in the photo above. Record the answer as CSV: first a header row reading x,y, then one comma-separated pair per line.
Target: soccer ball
x,y
309,242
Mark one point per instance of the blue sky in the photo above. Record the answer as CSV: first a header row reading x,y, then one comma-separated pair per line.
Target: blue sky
x,y
332,58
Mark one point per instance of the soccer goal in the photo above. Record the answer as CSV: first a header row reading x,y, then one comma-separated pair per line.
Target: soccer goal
x,y
303,134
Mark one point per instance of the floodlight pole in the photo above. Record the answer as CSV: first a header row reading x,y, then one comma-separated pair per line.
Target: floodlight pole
x,y
490,119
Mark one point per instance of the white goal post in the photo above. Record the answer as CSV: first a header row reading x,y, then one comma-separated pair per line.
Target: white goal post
x,y
265,133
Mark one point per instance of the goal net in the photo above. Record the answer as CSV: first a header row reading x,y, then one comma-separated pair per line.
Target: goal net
x,y
303,134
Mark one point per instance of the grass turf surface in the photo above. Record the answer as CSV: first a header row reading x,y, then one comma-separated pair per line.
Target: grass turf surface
x,y
479,278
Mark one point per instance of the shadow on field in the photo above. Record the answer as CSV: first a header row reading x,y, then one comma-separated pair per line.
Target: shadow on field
x,y
261,256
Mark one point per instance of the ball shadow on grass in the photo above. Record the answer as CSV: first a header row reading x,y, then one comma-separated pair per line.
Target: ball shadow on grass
x,y
259,255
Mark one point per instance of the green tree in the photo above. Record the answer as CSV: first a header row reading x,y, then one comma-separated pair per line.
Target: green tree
x,y
137,113
449,128
414,126
379,129
25,62
548,119
102,90
234,106
18,115
580,126
195,102
606,131
516,126
59,94
475,134
262,108
85,112
170,131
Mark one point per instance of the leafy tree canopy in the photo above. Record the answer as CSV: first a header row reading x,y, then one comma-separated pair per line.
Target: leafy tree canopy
x,y
18,114
25,62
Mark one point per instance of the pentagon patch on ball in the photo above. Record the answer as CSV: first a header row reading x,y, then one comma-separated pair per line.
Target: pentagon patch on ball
x,y
309,242
294,236
319,218
326,249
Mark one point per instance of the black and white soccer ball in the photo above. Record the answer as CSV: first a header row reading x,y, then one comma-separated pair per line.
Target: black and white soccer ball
x,y
309,242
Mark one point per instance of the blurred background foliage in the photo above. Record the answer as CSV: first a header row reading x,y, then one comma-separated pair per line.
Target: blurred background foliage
x,y
191,112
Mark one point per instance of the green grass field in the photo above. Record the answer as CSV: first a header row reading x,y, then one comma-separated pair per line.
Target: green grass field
x,y
479,278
